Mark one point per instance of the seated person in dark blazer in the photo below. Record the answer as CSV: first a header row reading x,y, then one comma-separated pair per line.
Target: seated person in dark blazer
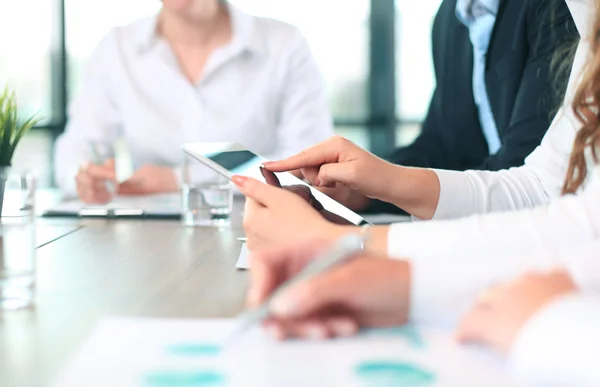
x,y
495,93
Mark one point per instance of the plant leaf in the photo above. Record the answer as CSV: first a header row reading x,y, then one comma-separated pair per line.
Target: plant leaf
x,y
11,129
5,145
3,110
21,131
5,125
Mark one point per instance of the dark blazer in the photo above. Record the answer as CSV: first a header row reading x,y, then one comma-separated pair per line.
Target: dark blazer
x,y
521,87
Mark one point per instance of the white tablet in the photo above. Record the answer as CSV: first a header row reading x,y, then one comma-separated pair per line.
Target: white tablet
x,y
230,159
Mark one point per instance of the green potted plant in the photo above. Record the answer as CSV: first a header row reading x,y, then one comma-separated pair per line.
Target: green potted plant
x,y
12,130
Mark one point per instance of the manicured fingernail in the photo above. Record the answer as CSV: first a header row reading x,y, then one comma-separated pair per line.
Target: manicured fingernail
x,y
268,163
239,180
283,306
316,332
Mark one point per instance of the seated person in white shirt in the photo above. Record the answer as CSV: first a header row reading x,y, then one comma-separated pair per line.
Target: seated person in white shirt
x,y
544,323
199,71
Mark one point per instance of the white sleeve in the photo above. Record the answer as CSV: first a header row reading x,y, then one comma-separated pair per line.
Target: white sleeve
x,y
535,183
568,220
560,345
304,117
464,256
444,289
93,116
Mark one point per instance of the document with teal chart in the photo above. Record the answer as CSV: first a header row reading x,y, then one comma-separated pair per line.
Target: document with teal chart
x,y
190,353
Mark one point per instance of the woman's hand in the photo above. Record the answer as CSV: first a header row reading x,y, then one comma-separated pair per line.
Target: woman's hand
x,y
150,179
501,312
353,177
274,215
303,191
368,291
343,170
95,183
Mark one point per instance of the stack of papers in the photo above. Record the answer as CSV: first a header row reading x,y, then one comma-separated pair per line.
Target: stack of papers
x,y
158,353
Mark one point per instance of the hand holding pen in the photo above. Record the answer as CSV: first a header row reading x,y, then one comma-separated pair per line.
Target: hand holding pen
x,y
365,291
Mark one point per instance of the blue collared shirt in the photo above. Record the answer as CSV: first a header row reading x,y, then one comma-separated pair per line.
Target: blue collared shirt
x,y
480,16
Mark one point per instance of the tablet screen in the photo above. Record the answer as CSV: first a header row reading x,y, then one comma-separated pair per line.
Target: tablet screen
x,y
238,160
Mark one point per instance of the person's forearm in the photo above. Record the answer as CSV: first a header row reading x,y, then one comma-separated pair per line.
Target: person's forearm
x,y
415,190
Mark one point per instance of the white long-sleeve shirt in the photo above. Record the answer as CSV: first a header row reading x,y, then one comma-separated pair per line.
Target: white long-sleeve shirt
x,y
474,252
560,345
263,89
453,260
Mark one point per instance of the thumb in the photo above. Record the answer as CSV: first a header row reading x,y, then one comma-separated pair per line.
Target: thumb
x,y
329,174
313,295
257,191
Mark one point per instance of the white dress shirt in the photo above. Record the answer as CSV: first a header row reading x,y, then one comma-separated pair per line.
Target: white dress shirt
x,y
263,90
473,253
479,16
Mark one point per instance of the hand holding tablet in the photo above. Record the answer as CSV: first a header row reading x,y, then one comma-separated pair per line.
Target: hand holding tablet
x,y
231,159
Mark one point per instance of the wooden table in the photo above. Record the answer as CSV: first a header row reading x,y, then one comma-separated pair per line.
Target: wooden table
x,y
123,268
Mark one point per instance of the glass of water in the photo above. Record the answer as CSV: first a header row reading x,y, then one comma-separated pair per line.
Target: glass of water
x,y
17,239
206,196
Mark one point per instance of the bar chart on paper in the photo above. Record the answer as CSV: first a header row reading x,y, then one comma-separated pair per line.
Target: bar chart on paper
x,y
189,353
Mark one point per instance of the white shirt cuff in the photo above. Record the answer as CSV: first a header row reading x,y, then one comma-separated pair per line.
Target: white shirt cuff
x,y
452,203
560,345
451,184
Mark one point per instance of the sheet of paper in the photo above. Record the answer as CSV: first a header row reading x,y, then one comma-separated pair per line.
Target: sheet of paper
x,y
158,353
243,261
164,204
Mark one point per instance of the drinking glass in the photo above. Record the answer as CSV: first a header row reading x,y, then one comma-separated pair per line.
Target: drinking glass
x,y
17,239
206,196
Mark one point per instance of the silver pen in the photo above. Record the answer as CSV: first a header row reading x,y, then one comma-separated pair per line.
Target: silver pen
x,y
344,249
